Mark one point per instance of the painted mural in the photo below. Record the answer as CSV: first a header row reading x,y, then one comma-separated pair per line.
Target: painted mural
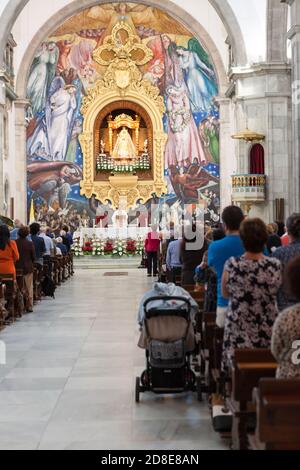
x,y
63,70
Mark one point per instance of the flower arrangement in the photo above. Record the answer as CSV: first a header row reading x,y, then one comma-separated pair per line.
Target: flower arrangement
x,y
98,247
119,248
77,248
131,247
108,247
107,164
87,247
140,246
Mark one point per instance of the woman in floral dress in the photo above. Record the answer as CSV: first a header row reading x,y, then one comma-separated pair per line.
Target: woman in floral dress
x,y
251,283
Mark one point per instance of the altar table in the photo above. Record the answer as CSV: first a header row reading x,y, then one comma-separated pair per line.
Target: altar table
x,y
113,233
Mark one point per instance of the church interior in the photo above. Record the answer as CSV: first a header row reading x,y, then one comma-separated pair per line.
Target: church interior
x,y
150,225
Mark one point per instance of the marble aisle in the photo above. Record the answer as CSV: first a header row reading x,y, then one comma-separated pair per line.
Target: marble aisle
x,y
69,378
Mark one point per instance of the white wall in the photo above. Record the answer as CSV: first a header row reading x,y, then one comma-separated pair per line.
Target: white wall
x,y
3,4
252,17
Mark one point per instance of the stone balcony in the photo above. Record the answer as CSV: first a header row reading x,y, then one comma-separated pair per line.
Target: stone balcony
x,y
249,189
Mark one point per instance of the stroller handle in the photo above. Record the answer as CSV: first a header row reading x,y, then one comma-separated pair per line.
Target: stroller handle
x,y
165,299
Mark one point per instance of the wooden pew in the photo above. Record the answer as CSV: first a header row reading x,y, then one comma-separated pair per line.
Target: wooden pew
x,y
278,415
3,311
71,255
23,301
37,280
205,331
218,377
249,366
56,271
64,264
10,295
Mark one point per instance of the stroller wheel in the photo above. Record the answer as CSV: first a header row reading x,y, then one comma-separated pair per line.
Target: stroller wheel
x,y
199,389
137,390
145,379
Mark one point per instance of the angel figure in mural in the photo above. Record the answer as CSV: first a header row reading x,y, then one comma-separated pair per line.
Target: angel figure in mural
x,y
134,15
183,145
41,75
59,126
200,78
37,139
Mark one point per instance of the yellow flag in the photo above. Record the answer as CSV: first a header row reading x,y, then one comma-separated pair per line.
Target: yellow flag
x,y
31,214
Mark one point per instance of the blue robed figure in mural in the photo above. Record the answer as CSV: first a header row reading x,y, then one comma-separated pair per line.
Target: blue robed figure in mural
x,y
200,77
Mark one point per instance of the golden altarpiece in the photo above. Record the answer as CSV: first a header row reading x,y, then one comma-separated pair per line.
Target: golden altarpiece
x,y
123,124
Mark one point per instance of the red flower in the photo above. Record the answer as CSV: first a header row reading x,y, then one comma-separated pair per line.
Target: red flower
x,y
87,247
108,247
131,246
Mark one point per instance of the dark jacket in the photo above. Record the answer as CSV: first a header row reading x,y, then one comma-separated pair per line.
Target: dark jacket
x,y
190,259
67,243
27,255
63,248
39,246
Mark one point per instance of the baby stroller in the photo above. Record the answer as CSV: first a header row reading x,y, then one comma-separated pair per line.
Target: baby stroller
x,y
168,337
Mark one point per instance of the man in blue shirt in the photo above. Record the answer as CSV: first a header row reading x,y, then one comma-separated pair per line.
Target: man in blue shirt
x,y
173,260
38,242
219,252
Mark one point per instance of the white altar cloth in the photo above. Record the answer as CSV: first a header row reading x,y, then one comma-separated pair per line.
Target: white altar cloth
x,y
113,233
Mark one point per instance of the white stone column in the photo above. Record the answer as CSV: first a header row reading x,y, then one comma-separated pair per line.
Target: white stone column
x,y
277,13
20,157
228,162
264,104
294,36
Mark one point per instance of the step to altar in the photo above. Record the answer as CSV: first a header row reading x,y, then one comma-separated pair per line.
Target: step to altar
x,y
102,262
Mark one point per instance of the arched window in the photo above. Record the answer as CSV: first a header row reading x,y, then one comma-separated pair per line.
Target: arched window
x,y
257,160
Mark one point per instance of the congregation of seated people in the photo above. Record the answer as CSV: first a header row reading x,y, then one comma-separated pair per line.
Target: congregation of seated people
x,y
248,277
33,262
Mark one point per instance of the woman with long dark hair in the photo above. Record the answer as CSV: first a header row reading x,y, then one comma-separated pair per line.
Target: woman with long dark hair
x,y
9,253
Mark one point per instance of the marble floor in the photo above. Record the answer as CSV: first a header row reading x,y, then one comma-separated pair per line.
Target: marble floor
x,y
68,382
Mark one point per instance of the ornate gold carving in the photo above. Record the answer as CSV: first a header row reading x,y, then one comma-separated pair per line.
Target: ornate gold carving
x,y
123,120
122,53
249,136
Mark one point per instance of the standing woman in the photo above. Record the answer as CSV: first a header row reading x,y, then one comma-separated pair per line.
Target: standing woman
x,y
9,253
251,283
152,245
26,263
